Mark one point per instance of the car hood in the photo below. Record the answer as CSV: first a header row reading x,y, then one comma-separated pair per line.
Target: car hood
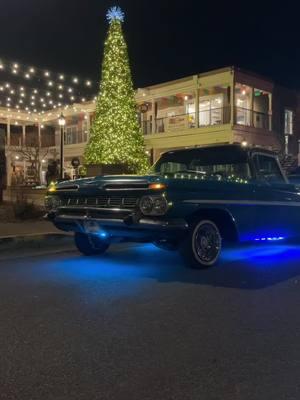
x,y
115,182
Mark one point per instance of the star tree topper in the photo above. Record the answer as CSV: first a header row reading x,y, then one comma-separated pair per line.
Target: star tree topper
x,y
115,14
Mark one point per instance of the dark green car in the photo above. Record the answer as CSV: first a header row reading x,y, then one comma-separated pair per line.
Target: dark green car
x,y
192,200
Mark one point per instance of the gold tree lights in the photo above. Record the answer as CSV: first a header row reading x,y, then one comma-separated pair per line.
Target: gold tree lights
x,y
116,137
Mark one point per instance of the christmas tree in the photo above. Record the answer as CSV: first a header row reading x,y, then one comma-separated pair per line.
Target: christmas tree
x,y
116,137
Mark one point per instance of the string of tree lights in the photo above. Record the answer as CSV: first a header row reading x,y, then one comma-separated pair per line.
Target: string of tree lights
x,y
35,90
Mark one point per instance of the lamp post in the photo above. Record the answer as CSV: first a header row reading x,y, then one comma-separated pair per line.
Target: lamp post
x,y
62,123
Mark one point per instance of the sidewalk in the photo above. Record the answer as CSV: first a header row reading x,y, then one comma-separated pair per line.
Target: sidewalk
x,y
25,228
21,239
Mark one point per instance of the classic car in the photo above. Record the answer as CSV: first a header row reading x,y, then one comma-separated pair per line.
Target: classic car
x,y
193,200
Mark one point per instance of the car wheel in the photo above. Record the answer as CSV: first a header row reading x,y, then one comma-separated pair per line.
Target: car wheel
x,y
166,245
90,244
202,247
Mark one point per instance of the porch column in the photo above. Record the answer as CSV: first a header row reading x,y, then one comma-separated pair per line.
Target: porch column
x,y
24,135
232,104
153,116
197,107
270,111
8,168
39,135
8,132
88,125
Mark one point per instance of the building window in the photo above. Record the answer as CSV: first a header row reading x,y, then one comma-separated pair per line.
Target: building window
x,y
243,103
252,107
288,122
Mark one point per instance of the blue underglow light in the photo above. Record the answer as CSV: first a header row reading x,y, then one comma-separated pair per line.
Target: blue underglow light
x,y
269,239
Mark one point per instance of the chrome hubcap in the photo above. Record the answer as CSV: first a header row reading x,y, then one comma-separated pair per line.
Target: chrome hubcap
x,y
207,243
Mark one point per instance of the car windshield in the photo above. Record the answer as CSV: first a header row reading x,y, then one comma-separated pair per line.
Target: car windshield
x,y
207,163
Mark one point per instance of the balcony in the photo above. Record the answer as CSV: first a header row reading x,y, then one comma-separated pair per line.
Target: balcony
x,y
207,118
182,122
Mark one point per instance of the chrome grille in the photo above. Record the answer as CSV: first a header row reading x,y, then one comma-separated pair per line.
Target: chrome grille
x,y
101,201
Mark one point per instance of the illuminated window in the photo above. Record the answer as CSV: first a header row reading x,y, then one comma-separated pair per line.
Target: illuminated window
x,y
243,99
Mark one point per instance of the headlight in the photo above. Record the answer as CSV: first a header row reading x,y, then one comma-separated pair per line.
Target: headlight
x,y
52,203
153,205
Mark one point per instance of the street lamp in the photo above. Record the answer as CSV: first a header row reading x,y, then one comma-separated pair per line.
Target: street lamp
x,y
62,123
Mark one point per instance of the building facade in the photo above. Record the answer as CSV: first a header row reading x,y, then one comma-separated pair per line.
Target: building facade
x,y
222,106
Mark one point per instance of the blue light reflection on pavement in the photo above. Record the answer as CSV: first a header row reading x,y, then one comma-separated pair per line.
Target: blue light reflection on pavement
x,y
123,270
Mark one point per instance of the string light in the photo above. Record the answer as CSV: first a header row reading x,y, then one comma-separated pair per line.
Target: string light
x,y
18,93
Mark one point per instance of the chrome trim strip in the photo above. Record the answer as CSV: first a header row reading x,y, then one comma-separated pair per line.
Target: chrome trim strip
x,y
70,188
123,189
246,202
95,208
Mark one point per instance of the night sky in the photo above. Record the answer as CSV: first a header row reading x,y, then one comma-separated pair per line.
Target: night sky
x,y
166,39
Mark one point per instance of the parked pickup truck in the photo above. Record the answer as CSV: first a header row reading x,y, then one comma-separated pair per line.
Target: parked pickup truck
x,y
192,200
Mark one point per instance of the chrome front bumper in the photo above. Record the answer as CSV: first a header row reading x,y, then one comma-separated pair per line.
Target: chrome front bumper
x,y
131,225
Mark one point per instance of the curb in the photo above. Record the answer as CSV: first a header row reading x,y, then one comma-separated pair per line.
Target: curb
x,y
44,241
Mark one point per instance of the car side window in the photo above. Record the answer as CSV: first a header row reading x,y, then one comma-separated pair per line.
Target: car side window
x,y
267,169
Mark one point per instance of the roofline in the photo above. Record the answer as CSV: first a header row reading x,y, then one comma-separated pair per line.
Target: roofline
x,y
232,69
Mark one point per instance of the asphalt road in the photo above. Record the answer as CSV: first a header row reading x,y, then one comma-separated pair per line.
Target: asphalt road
x,y
135,324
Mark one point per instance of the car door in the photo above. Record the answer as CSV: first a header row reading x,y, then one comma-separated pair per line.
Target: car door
x,y
276,203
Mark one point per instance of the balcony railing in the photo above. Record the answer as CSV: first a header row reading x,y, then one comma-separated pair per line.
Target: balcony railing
x,y
246,117
209,117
